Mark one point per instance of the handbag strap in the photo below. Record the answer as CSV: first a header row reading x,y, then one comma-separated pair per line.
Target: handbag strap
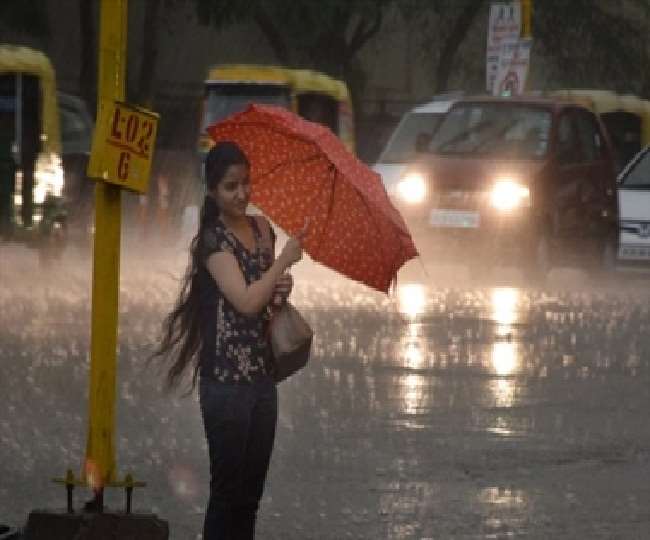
x,y
266,239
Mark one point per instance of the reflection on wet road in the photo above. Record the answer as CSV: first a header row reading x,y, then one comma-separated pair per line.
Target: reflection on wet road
x,y
446,410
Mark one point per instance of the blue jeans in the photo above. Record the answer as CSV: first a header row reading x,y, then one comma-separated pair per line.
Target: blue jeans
x,y
239,421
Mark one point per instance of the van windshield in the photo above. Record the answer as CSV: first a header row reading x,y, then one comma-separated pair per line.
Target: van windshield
x,y
224,99
639,173
401,147
76,127
502,130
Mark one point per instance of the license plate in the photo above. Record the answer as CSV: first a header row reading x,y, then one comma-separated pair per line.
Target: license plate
x,y
634,253
455,218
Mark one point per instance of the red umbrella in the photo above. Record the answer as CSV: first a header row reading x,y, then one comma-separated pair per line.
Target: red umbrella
x,y
299,170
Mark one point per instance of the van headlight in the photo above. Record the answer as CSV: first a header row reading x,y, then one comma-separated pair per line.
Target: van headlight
x,y
508,195
48,177
412,188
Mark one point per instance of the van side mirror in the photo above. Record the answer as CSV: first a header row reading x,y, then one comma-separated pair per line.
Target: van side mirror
x,y
422,142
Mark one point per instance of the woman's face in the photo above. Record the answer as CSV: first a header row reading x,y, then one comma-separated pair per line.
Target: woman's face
x,y
233,192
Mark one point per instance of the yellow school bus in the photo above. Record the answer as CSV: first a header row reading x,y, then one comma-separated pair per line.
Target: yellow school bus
x,y
229,88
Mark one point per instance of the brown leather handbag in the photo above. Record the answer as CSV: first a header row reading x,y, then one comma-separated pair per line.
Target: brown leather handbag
x,y
290,335
291,338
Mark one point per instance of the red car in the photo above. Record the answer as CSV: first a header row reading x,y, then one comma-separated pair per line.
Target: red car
x,y
529,180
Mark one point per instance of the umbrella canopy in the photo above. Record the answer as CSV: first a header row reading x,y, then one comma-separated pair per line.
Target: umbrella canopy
x,y
301,170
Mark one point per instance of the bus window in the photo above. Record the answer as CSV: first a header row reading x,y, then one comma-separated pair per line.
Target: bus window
x,y
319,108
230,88
224,99
624,129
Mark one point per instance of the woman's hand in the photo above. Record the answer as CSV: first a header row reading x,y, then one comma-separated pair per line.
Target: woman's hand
x,y
292,250
282,289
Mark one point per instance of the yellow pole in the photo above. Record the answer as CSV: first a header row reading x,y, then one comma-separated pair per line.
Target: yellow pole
x,y
526,18
100,449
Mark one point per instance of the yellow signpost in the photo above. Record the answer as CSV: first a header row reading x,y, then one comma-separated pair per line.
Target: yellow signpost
x,y
122,149
526,18
123,146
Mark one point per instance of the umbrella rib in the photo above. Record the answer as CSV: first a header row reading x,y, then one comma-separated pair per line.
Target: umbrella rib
x,y
311,157
332,187
297,136
373,218
330,206
285,132
371,213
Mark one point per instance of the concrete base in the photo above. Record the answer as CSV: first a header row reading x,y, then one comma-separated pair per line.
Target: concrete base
x,y
50,525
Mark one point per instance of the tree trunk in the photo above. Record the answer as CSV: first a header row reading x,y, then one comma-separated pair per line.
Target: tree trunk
x,y
273,36
453,42
88,54
147,77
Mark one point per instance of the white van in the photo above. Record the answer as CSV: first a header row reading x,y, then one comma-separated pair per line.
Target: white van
x,y
634,209
417,126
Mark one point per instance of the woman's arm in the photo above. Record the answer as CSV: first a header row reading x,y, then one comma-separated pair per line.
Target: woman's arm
x,y
284,284
250,299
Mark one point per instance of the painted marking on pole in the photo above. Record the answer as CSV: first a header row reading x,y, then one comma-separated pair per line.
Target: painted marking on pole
x,y
123,146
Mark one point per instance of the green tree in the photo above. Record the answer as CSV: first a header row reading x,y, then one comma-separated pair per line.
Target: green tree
x,y
443,27
598,43
582,42
326,35
88,31
28,17
144,82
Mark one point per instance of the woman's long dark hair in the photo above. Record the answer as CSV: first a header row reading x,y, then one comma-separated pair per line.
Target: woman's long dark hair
x,y
181,340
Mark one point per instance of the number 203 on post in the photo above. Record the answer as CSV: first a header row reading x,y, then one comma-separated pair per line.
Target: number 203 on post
x,y
126,143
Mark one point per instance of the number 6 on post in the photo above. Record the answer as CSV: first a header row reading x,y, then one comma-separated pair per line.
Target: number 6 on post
x,y
123,146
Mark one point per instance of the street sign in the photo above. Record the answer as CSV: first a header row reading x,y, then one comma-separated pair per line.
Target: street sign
x,y
514,60
504,25
123,146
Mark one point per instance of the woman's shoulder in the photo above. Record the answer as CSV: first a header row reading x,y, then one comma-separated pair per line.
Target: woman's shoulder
x,y
215,238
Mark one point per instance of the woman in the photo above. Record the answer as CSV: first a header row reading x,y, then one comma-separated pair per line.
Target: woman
x,y
220,324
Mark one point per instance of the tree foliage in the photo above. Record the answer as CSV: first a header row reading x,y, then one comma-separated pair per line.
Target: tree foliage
x,y
582,42
29,17
594,42
326,35
598,43
444,26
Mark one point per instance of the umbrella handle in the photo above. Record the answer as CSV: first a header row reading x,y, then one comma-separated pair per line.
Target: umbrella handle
x,y
302,233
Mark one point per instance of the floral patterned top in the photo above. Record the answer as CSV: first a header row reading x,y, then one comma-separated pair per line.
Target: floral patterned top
x,y
235,347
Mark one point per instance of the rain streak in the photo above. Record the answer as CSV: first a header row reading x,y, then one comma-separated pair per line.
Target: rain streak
x,y
437,411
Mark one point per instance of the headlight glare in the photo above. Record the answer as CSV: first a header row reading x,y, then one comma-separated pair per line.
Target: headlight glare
x,y
412,188
507,195
48,177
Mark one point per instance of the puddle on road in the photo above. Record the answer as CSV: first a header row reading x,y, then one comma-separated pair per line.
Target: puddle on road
x,y
437,412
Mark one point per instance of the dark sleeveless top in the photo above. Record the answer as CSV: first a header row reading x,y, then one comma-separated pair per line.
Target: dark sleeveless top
x,y
234,346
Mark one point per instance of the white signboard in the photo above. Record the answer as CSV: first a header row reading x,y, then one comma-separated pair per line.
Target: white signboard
x,y
514,60
504,25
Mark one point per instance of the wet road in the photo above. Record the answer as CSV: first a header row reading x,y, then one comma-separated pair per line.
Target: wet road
x,y
450,409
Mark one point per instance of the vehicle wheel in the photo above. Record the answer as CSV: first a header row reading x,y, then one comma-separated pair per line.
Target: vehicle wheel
x,y
607,256
540,259
51,247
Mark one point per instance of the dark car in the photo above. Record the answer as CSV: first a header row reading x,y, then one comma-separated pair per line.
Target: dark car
x,y
77,127
525,180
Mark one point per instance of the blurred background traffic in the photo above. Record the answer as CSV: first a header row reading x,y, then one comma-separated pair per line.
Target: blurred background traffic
x,y
362,68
